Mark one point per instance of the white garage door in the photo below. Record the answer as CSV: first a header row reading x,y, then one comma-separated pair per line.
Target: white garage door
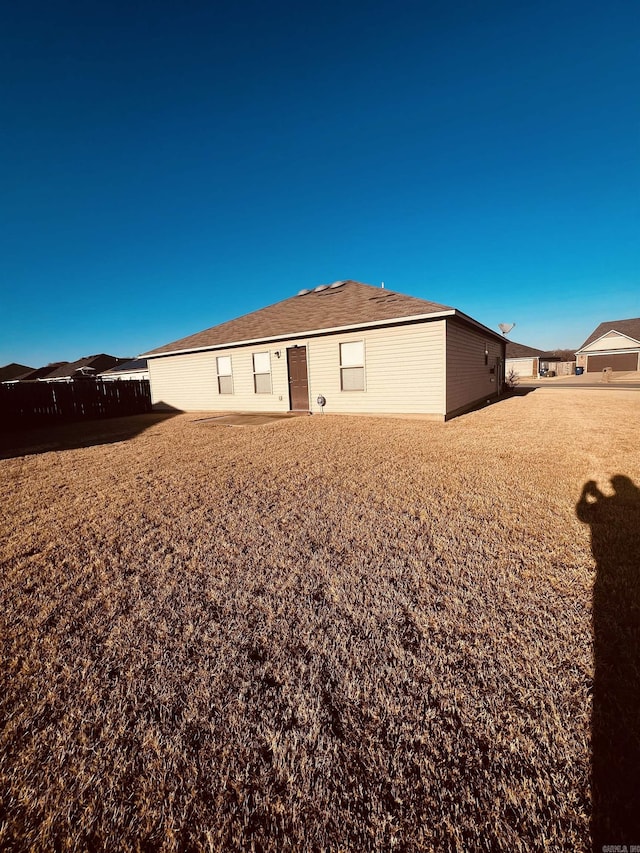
x,y
521,366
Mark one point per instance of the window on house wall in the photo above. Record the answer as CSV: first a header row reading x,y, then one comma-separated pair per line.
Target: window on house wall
x,y
352,366
225,377
262,373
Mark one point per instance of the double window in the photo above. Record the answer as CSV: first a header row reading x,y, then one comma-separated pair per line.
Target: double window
x,y
352,366
225,376
262,373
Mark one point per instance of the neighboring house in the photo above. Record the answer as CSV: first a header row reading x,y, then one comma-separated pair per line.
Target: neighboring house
x,y
90,366
614,344
43,372
363,349
137,368
529,362
523,360
13,372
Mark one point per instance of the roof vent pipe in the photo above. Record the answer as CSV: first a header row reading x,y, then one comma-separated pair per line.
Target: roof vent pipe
x,y
382,284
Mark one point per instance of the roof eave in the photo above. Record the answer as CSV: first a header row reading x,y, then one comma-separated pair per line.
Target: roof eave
x,y
352,327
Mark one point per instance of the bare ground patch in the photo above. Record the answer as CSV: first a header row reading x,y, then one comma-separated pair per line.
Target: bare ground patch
x,y
324,633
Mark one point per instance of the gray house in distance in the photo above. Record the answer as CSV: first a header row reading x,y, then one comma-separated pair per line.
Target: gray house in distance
x,y
363,349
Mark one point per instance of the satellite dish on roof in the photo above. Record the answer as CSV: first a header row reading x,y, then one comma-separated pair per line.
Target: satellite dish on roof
x,y
505,328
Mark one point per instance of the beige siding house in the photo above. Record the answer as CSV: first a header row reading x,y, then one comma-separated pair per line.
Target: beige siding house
x,y
522,360
615,344
342,348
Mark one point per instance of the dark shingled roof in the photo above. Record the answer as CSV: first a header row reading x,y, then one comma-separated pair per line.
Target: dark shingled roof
x,y
128,366
343,304
630,327
41,372
14,371
515,350
96,363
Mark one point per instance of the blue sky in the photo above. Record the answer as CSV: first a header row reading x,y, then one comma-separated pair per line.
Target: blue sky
x,y
169,166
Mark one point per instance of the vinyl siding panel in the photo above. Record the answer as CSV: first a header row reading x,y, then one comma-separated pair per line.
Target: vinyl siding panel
x,y
469,379
404,373
190,381
183,382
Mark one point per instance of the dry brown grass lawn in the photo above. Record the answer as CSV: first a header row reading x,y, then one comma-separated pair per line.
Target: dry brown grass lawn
x,y
324,633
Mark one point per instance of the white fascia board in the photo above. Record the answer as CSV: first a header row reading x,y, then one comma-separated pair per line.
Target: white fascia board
x,y
354,327
608,332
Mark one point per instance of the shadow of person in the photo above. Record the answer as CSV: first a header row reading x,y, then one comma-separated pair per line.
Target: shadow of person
x,y
615,724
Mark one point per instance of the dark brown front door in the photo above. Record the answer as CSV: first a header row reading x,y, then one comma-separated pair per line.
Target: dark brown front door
x,y
298,382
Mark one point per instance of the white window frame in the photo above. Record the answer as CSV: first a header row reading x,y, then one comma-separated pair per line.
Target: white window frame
x,y
224,375
350,366
257,373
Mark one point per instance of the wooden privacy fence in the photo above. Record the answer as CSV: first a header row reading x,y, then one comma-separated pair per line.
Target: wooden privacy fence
x,y
29,404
